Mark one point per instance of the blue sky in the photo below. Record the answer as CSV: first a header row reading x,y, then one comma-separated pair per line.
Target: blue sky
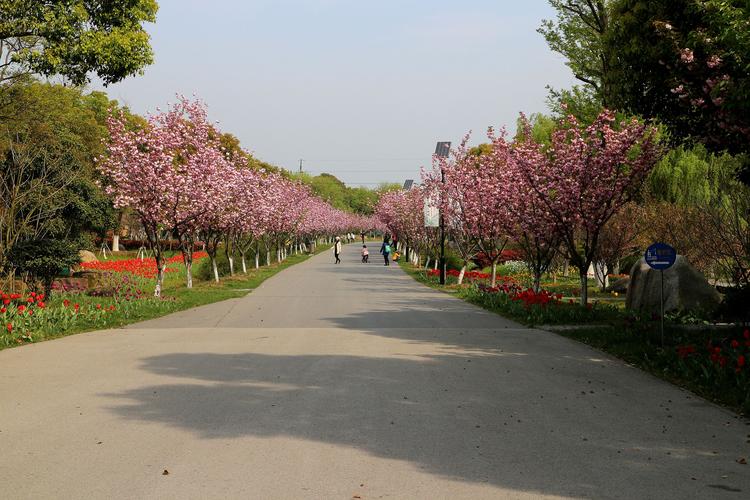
x,y
359,89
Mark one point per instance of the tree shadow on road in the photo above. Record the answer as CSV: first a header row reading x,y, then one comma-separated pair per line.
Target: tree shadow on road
x,y
469,418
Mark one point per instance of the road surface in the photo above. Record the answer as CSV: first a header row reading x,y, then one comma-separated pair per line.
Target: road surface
x,y
351,381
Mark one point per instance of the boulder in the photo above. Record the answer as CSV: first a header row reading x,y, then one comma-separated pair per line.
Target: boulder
x,y
620,285
684,289
87,256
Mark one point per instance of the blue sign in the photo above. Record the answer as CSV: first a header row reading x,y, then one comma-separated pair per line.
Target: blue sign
x,y
660,256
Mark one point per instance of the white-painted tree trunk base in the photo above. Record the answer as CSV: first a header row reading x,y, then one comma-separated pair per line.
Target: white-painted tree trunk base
x,y
215,269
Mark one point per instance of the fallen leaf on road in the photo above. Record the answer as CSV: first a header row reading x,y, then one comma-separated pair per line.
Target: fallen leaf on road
x,y
742,461
165,473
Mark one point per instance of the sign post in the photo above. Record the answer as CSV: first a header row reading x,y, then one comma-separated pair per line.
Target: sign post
x,y
659,257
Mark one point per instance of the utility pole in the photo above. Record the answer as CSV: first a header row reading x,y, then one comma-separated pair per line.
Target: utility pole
x,y
442,151
300,165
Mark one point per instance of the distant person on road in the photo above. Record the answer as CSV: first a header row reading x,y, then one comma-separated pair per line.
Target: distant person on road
x,y
385,249
337,249
365,254
363,237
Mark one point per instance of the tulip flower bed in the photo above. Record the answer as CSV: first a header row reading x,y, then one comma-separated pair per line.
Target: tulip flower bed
x,y
145,268
535,308
510,299
29,317
452,273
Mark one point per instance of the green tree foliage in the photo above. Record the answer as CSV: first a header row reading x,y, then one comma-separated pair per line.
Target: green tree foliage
x,y
693,177
352,199
74,38
578,34
43,260
542,127
687,64
579,101
694,201
48,145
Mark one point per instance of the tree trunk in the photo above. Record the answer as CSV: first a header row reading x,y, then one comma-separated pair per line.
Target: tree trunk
x,y
268,256
427,263
584,285
187,258
189,272
159,276
215,268
257,258
244,264
47,289
115,242
566,269
462,273
600,272
537,282
229,252
437,262
494,273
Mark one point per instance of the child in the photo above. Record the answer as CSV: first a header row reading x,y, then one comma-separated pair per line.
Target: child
x,y
365,254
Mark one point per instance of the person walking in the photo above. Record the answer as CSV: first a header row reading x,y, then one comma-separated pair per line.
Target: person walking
x,y
363,237
337,249
385,249
365,254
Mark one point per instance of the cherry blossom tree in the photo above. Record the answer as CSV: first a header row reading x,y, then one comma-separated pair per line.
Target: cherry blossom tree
x,y
585,177
177,177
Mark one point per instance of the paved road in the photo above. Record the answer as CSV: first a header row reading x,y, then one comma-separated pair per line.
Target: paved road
x,y
350,381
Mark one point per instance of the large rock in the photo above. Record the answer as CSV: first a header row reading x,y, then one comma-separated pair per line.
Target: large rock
x,y
619,286
87,256
684,288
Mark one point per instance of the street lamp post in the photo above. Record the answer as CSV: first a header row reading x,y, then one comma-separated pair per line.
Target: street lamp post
x,y
442,150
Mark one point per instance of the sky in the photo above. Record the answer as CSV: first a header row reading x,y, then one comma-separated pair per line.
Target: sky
x,y
361,90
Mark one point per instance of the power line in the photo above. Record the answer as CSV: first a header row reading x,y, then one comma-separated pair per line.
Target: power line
x,y
362,171
353,160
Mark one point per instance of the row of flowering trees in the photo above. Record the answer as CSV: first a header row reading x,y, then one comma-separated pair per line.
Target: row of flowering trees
x,y
174,173
544,199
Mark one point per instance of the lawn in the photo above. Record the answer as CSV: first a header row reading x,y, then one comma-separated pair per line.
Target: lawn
x,y
121,298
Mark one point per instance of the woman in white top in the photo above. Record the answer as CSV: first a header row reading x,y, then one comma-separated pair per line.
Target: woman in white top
x,y
337,249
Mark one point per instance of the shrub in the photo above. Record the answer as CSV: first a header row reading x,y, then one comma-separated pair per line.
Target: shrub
x,y
483,260
512,267
43,260
736,304
205,271
453,260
